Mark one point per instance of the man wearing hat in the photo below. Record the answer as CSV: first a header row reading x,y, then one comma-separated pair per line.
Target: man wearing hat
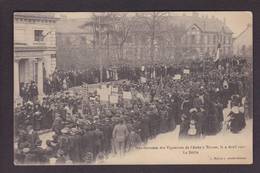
x,y
120,133
144,125
74,138
57,124
98,140
154,121
185,116
133,140
236,117
64,143
107,129
35,153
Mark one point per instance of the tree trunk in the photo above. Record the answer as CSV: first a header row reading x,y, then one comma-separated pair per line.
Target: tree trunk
x,y
152,40
121,50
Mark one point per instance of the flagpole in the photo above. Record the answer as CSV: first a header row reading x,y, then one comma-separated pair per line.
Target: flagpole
x,y
203,67
99,50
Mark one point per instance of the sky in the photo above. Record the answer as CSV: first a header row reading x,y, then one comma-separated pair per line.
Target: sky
x,y
236,20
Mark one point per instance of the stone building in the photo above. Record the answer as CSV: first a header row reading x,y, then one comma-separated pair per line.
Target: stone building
x,y
34,48
203,34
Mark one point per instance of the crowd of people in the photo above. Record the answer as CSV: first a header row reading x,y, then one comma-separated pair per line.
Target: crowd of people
x,y
29,91
87,131
61,80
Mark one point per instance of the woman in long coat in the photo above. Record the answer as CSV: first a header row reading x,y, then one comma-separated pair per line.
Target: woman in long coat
x,y
144,125
237,119
37,117
164,125
185,117
212,123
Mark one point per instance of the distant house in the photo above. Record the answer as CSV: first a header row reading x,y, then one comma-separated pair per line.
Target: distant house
x,y
34,48
243,43
203,34
188,36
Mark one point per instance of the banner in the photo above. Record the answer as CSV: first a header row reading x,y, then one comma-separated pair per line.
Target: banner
x,y
127,95
147,97
177,77
104,97
114,89
113,98
143,79
217,54
140,96
92,89
98,91
105,89
186,71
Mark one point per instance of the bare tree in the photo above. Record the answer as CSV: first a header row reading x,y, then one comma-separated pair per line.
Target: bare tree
x,y
153,21
122,28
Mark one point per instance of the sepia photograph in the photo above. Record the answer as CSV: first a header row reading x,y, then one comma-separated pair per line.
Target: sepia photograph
x,y
133,88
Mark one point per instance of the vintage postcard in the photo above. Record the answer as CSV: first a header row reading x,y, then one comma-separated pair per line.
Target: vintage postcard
x,y
112,88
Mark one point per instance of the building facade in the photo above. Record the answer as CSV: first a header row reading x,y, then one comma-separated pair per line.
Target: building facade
x,y
34,49
203,35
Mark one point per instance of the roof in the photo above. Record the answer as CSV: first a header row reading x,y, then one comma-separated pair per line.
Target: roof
x,y
205,24
40,15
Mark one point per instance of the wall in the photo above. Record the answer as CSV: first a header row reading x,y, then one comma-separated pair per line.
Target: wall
x,y
24,32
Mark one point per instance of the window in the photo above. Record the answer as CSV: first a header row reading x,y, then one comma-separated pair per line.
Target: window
x,y
38,35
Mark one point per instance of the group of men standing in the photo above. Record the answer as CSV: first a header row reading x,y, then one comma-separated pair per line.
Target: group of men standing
x,y
87,131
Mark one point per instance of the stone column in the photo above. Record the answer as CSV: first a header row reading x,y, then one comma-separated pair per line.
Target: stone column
x,y
40,78
16,79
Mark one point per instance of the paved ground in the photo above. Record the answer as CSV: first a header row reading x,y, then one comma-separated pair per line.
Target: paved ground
x,y
167,149
151,153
